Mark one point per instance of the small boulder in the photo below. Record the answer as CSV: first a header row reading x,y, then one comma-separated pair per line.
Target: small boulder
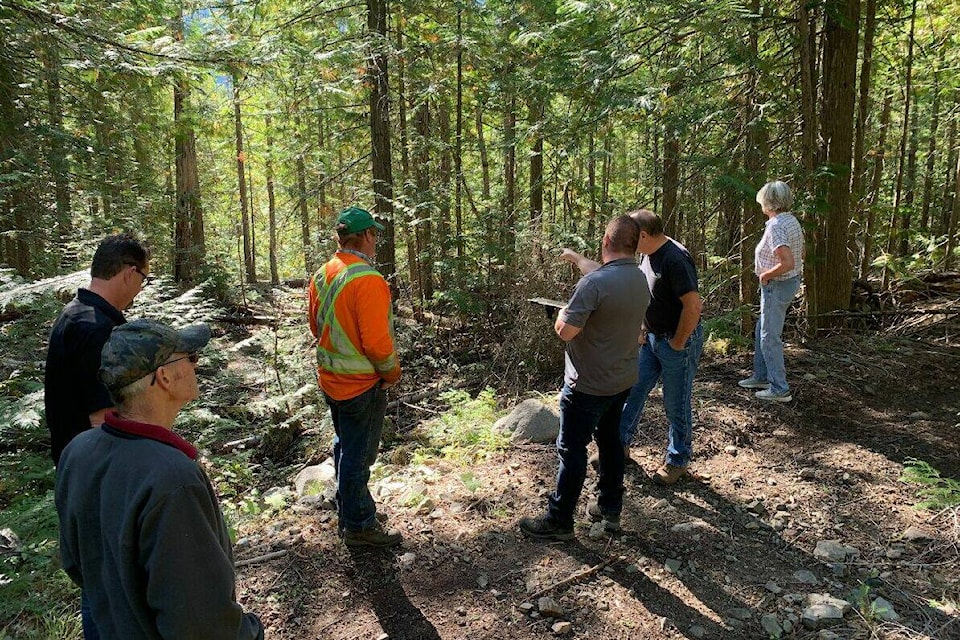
x,y
549,607
314,479
562,628
884,610
834,551
803,576
818,616
771,625
916,535
531,421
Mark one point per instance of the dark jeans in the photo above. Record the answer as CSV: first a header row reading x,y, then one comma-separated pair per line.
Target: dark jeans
x,y
659,361
90,631
582,417
358,423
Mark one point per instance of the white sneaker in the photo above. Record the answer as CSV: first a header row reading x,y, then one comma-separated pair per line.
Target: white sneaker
x,y
773,396
753,383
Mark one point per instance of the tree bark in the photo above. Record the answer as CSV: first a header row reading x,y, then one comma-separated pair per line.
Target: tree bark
x,y
248,263
931,149
952,153
309,257
898,193
57,155
954,216
442,243
866,258
535,112
832,263
808,96
592,188
425,201
189,240
271,204
378,79
407,219
508,234
458,150
671,180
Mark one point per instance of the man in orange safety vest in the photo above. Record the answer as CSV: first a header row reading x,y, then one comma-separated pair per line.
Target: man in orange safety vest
x,y
352,318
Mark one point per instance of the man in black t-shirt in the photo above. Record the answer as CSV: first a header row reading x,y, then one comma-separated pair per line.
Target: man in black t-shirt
x,y
671,343
74,397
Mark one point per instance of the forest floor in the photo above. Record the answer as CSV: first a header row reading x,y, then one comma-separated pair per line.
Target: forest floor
x,y
728,553
707,558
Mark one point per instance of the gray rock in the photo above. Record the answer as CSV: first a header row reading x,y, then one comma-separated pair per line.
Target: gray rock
x,y
809,377
313,480
834,551
549,607
753,525
697,631
916,535
740,613
773,588
827,635
672,565
818,616
596,531
895,552
692,527
483,581
803,576
919,415
788,625
730,450
884,610
282,494
826,598
562,628
407,559
771,625
808,473
526,607
531,421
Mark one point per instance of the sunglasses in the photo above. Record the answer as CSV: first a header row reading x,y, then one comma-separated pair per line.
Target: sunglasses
x,y
194,358
145,278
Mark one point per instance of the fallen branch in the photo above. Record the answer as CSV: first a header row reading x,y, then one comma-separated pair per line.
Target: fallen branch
x,y
242,443
429,393
580,575
245,320
273,555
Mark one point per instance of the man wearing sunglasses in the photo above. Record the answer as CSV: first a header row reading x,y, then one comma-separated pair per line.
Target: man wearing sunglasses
x,y
74,398
141,531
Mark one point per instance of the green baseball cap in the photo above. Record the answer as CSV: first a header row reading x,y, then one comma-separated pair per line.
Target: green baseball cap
x,y
139,348
355,220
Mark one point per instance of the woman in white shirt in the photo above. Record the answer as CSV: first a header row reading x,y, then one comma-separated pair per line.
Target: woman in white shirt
x,y
778,262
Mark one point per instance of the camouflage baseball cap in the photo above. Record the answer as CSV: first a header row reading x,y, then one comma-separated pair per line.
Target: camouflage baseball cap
x,y
138,348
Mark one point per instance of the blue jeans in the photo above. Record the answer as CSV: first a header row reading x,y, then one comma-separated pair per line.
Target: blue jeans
x,y
90,631
659,361
775,298
582,417
358,424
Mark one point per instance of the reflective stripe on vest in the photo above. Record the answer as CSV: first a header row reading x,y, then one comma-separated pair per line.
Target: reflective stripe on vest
x,y
343,357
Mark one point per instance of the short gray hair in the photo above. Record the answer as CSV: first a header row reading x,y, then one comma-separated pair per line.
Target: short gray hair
x,y
125,396
775,196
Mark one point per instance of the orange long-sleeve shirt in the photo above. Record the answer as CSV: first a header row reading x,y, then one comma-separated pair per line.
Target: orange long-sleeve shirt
x,y
363,310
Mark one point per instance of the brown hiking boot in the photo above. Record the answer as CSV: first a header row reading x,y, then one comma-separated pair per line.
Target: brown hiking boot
x,y
375,536
669,474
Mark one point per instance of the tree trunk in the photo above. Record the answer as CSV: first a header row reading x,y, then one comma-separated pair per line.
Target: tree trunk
x,y
271,204
248,263
57,153
909,187
425,201
931,149
535,110
407,195
671,180
592,189
866,258
952,153
863,106
458,150
442,242
309,254
379,104
189,241
808,97
832,263
13,194
954,215
898,193
508,234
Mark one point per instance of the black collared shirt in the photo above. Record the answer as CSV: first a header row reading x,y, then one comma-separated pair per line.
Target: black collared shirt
x,y
72,387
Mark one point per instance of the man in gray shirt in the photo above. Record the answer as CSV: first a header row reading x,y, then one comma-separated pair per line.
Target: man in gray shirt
x,y
601,326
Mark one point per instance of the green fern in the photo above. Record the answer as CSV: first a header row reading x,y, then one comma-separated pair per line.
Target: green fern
x,y
937,492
